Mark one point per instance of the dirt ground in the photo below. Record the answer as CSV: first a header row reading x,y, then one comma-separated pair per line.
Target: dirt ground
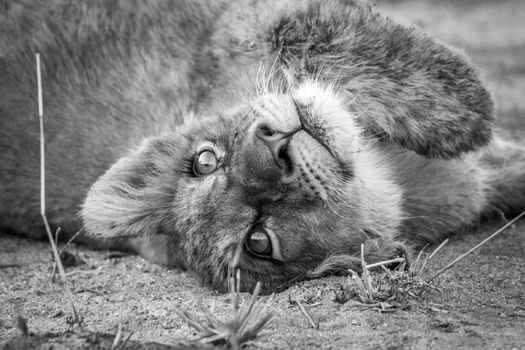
x,y
479,304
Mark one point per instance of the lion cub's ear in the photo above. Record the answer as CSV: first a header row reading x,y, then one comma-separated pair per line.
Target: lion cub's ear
x,y
134,196
403,86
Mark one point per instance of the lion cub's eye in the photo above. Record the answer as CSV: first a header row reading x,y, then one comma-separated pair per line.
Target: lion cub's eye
x,y
205,162
263,243
259,243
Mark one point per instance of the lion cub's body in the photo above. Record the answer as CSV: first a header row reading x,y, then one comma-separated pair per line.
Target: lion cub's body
x,y
330,126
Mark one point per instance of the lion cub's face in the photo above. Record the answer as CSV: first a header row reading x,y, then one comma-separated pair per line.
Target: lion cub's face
x,y
269,189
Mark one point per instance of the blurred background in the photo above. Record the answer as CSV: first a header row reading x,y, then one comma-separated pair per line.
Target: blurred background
x,y
492,33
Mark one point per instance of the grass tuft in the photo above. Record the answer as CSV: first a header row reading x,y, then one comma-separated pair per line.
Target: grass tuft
x,y
396,289
246,323
389,291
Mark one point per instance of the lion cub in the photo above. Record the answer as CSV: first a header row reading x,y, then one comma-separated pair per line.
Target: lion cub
x,y
272,137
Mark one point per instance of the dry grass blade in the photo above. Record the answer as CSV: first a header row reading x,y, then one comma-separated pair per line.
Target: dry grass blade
x,y
188,318
386,262
43,195
437,249
213,321
428,258
247,312
387,271
367,281
64,248
361,293
257,327
419,255
116,341
245,324
477,246
234,290
315,325
123,344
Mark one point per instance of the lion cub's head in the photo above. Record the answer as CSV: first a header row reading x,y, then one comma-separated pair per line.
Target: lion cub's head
x,y
272,188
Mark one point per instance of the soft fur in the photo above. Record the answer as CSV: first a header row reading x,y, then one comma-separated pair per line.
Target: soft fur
x,y
333,127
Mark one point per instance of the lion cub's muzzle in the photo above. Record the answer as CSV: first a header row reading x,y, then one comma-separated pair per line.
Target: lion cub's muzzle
x,y
280,160
265,162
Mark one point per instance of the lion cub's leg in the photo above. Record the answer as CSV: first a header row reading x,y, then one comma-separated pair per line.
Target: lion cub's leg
x,y
503,166
374,250
441,197
447,196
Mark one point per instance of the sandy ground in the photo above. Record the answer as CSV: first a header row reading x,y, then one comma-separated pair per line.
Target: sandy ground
x,y
480,303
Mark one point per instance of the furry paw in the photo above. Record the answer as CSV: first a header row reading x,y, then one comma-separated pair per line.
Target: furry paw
x,y
375,250
378,250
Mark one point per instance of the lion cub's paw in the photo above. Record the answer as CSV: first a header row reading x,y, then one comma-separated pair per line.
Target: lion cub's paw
x,y
378,250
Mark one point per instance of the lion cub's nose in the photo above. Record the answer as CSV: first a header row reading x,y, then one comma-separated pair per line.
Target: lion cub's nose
x,y
277,142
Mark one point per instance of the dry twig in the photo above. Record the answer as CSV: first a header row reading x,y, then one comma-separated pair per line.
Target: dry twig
x,y
476,246
63,250
43,194
315,325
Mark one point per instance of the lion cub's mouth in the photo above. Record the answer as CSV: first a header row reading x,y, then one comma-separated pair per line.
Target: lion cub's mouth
x,y
320,134
316,172
307,133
